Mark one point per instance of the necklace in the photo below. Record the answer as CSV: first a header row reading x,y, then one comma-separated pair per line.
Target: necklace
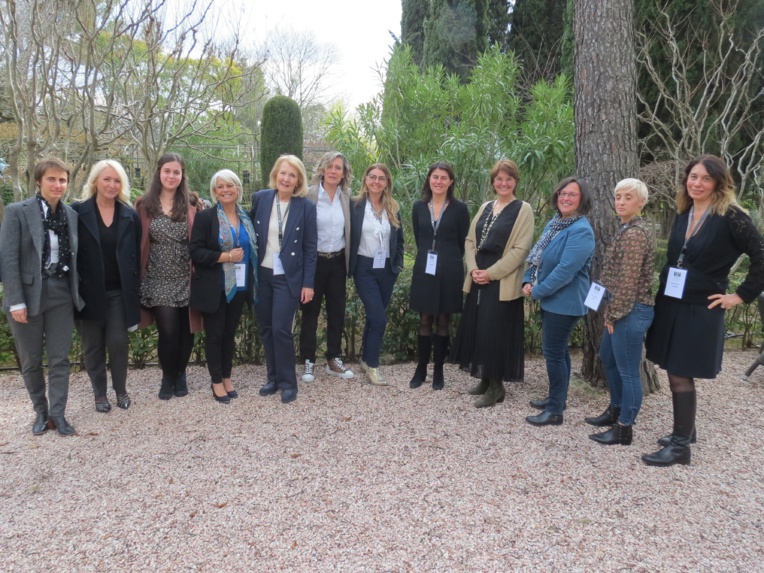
x,y
488,224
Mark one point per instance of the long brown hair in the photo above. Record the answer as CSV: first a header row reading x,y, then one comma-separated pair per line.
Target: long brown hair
x,y
723,196
150,200
389,203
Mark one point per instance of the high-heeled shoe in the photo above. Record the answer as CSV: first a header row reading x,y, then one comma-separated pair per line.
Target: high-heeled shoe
x,y
226,399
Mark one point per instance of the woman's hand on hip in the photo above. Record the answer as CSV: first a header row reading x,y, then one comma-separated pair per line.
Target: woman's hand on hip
x,y
727,301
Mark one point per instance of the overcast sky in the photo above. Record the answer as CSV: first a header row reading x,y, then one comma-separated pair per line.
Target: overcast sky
x,y
359,29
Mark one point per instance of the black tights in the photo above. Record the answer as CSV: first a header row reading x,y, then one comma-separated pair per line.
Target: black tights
x,y
680,384
175,341
442,323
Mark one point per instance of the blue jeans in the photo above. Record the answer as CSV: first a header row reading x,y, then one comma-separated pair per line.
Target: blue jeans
x,y
621,354
555,335
375,288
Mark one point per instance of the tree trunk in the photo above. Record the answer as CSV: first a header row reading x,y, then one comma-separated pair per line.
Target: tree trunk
x,y
605,111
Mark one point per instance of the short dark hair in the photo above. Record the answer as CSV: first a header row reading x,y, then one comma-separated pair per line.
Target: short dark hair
x,y
507,166
427,192
50,163
585,204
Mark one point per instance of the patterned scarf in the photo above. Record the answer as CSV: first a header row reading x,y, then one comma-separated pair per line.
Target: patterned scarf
x,y
227,243
555,226
57,222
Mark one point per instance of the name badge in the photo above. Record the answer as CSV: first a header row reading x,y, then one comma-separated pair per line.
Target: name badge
x,y
675,282
379,259
432,263
278,268
594,298
241,275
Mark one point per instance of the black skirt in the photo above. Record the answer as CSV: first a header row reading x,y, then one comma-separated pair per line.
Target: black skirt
x,y
490,340
686,339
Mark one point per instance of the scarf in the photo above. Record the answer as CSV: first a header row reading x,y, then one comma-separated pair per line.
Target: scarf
x,y
227,243
56,221
556,225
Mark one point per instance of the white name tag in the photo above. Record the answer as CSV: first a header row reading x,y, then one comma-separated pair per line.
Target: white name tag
x,y
432,263
594,298
379,259
278,268
241,275
675,282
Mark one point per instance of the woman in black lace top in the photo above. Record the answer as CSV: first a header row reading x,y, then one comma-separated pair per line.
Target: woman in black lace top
x,y
687,336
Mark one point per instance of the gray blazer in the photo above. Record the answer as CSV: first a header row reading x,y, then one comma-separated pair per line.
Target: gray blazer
x,y
312,196
22,238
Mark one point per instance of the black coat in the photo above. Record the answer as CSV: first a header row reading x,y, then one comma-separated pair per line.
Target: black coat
x,y
442,293
207,282
90,262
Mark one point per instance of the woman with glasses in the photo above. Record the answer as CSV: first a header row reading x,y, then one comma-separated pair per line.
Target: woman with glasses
x,y
489,343
557,277
376,259
440,224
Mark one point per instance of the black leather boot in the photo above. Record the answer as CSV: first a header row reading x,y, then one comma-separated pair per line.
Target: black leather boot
x,y
666,440
439,353
167,387
607,418
424,344
678,450
181,386
618,434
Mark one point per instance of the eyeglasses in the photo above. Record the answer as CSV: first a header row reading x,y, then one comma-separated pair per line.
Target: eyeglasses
x,y
568,195
380,178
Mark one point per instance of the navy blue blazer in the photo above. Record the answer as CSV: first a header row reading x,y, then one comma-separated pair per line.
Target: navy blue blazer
x,y
90,262
357,210
299,247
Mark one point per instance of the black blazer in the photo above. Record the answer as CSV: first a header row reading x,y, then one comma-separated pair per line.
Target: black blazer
x,y
357,210
90,261
299,250
207,280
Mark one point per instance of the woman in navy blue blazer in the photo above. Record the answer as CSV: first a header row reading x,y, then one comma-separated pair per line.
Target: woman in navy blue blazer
x,y
224,253
287,249
376,259
108,259
558,277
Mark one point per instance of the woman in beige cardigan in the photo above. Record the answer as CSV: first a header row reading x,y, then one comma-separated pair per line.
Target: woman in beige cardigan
x,y
489,343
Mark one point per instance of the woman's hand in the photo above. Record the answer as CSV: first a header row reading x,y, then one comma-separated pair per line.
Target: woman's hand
x,y
727,301
306,295
528,290
233,256
609,326
480,277
20,315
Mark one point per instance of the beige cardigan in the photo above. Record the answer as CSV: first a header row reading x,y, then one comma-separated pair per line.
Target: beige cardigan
x,y
510,267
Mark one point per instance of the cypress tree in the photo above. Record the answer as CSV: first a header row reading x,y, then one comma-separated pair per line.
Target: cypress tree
x,y
413,15
455,34
281,132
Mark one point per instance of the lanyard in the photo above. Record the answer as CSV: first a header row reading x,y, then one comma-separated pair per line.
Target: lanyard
x,y
693,230
281,220
435,224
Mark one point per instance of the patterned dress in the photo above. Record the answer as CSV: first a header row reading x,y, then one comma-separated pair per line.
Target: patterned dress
x,y
168,275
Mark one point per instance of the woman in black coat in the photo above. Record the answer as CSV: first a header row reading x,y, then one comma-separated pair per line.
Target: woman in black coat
x,y
223,248
109,232
440,224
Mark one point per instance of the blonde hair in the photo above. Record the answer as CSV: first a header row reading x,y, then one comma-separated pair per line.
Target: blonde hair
x,y
229,177
633,185
90,188
389,204
723,196
301,189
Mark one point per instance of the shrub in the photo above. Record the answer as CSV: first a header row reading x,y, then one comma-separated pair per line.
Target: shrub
x,y
281,133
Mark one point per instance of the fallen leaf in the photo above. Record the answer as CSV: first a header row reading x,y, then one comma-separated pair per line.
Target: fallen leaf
x,y
220,505
346,419
295,456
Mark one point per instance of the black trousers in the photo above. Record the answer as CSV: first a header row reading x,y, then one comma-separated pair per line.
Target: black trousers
x,y
220,331
330,283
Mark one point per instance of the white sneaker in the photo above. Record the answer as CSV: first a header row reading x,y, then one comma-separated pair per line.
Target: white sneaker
x,y
335,367
307,375
375,377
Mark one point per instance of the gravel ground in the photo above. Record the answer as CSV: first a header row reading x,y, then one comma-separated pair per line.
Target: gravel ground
x,y
353,477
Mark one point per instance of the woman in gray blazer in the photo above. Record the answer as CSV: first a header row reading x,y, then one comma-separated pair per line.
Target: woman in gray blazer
x,y
40,290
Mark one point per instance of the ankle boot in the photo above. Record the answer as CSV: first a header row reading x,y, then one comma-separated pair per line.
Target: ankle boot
x,y
494,394
424,344
166,389
181,386
439,352
678,450
607,418
480,388
618,434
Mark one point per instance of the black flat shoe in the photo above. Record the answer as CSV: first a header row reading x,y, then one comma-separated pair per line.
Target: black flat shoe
x,y
166,389
40,425
616,435
268,389
181,386
674,453
102,404
63,427
123,401
545,419
288,395
224,399
539,404
233,394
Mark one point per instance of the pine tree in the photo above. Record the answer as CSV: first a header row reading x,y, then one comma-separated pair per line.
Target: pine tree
x,y
536,36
